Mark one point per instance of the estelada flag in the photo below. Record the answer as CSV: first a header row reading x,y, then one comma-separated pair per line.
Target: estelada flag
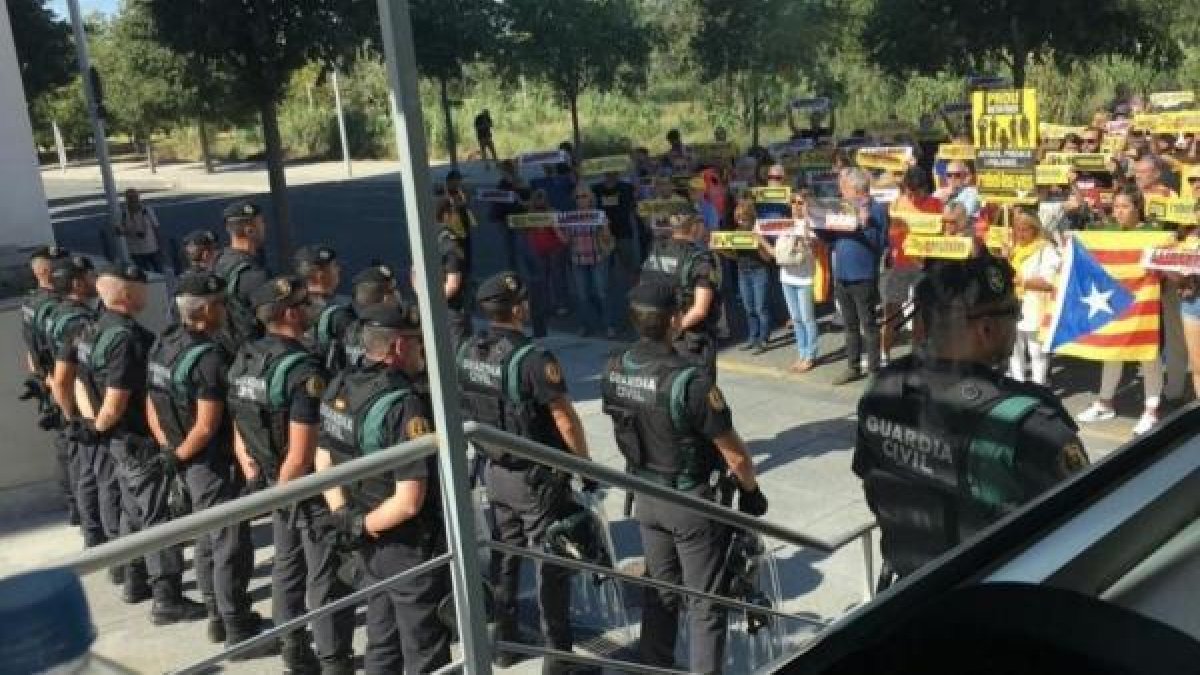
x,y
1106,304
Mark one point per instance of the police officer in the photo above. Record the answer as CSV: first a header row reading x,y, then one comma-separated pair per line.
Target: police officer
x,y
187,391
39,360
508,382
238,265
946,442
275,390
394,519
318,266
113,360
376,285
696,274
455,284
200,250
674,427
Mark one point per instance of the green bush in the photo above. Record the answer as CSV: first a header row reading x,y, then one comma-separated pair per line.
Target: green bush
x,y
307,132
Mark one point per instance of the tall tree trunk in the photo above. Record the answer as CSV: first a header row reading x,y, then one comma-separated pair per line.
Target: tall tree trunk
x,y
573,101
451,144
150,160
1019,64
205,155
277,181
755,106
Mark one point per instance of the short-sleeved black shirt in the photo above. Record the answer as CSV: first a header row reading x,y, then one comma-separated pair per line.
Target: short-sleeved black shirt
x,y
64,342
617,202
543,382
305,384
128,358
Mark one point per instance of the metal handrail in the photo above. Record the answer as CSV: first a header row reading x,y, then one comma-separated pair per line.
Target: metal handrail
x,y
586,659
244,508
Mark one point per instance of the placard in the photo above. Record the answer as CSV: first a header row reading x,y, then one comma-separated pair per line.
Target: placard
x,y
998,237
735,241
542,157
1092,162
1004,128
1180,122
620,164
1052,174
1172,100
838,222
893,159
885,195
819,104
1178,210
1182,261
920,223
495,196
773,227
520,221
657,208
586,219
771,195
1050,131
938,246
956,152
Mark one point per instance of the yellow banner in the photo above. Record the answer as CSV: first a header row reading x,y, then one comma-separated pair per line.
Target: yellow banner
x,y
1172,100
1083,161
1113,144
655,208
1000,199
920,223
953,151
1056,132
893,160
1004,119
529,220
733,241
938,246
1178,210
771,195
1181,122
998,237
1145,121
1052,174
600,165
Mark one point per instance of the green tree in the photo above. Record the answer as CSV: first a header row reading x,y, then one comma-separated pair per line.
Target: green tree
x,y
259,44
576,45
448,35
65,107
44,48
902,35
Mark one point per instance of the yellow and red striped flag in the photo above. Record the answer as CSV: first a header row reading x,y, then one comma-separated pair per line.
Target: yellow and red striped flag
x,y
1107,304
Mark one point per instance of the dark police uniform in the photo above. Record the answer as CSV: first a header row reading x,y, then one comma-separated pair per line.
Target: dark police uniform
x,y
365,409
334,314
187,367
946,448
454,261
195,244
242,275
273,382
665,412
351,336
509,383
687,267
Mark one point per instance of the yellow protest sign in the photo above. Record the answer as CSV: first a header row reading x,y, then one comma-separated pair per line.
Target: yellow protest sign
x,y
610,164
1052,174
938,246
530,220
891,159
657,208
1144,122
733,241
1082,161
956,152
1172,100
1004,119
1178,210
1179,122
1006,186
1113,144
771,195
998,237
1056,132
1190,183
920,223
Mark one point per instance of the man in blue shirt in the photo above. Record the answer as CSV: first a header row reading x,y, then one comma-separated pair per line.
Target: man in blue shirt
x,y
856,256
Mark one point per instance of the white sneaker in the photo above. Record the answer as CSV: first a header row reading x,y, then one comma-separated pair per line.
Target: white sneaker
x,y
1145,423
1097,412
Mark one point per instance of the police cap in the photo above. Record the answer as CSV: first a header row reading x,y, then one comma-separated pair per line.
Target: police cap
x,y
201,237
65,270
654,295
375,274
124,272
313,254
979,283
404,317
241,210
503,288
199,284
49,253
281,291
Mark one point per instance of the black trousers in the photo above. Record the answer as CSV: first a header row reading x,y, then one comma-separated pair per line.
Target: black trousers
x,y
305,576
859,301
520,521
700,349
82,465
687,549
404,634
144,491
224,558
66,477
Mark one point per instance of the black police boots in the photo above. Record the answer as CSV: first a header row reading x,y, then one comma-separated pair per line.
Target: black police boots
x,y
298,655
170,605
216,627
341,665
116,575
505,628
244,627
136,588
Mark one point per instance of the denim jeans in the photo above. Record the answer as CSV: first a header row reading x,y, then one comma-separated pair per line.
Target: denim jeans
x,y
752,286
591,295
804,318
534,270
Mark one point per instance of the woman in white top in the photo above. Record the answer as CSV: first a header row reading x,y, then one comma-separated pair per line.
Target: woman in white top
x,y
794,255
140,230
1035,261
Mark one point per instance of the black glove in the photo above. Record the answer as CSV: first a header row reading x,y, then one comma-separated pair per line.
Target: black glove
x,y
51,419
167,462
84,431
33,389
752,503
590,485
349,527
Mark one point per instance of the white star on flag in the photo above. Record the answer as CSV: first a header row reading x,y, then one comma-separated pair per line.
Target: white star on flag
x,y
1097,301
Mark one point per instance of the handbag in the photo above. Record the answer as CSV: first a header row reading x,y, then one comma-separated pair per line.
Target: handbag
x,y
791,250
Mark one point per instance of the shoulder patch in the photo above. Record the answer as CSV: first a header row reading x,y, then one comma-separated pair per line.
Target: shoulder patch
x,y
314,386
1072,459
553,371
716,400
417,427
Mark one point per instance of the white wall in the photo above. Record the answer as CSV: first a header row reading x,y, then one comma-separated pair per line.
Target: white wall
x,y
24,217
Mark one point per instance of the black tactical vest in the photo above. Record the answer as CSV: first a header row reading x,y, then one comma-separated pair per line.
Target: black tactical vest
x,y
937,455
352,345
258,398
36,311
489,375
93,352
242,326
646,398
672,262
172,361
324,340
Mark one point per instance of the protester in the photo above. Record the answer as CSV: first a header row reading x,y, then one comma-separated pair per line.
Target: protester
x,y
618,200
510,181
537,252
141,232
959,188
901,273
483,133
753,276
794,254
1189,293
590,248
1035,262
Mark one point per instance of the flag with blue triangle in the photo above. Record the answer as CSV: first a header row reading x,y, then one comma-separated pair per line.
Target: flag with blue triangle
x,y
1088,298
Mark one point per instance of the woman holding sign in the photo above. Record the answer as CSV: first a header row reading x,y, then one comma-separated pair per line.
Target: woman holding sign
x,y
752,268
1035,262
794,254
585,231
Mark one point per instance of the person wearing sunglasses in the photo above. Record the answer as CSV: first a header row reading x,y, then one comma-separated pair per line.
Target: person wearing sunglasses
x,y
946,443
275,388
959,188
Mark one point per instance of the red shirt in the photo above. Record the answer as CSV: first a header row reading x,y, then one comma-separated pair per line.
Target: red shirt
x,y
898,231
